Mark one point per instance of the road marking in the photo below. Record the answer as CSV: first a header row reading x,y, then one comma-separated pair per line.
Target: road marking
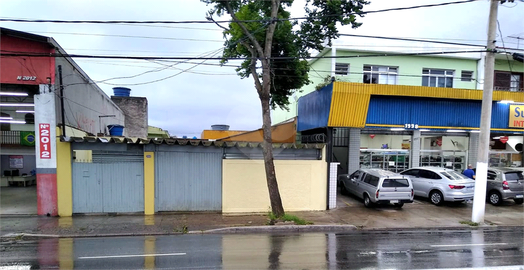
x,y
462,245
131,256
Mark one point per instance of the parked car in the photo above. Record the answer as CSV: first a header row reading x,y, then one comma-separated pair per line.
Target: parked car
x,y
504,184
377,186
440,184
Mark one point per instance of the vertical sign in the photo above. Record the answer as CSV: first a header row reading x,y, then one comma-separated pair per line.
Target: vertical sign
x,y
45,140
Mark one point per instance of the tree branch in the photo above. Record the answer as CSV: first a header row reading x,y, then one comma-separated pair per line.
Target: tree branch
x,y
244,29
275,5
210,18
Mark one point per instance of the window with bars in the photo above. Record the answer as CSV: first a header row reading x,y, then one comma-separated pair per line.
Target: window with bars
x,y
507,81
466,76
341,69
380,74
437,77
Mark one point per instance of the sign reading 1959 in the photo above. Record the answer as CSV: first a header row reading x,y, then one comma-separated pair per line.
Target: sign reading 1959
x,y
411,126
26,78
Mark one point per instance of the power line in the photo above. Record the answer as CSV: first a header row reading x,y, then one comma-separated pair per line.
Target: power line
x,y
29,54
126,36
228,21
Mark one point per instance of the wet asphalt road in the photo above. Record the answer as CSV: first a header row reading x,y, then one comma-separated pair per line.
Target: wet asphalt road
x,y
371,250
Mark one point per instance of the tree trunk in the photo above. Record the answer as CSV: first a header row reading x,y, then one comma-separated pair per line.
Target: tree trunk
x,y
267,148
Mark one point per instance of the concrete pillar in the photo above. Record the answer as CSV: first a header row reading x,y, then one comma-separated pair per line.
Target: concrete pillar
x,y
414,157
354,150
332,200
473,147
45,148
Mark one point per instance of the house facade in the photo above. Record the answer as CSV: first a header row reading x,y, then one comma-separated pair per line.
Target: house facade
x,y
44,95
392,111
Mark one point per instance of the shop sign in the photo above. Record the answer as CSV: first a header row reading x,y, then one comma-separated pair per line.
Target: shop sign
x,y
504,139
411,126
45,141
516,116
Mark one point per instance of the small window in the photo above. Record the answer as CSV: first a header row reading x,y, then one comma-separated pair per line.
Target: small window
x,y
380,74
355,175
372,180
514,176
29,118
341,69
429,175
492,175
395,183
410,172
452,175
437,77
466,76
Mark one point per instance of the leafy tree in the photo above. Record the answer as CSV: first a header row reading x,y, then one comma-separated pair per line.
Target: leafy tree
x,y
261,31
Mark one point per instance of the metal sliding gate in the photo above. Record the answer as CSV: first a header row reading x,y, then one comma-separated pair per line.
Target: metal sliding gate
x,y
112,182
188,178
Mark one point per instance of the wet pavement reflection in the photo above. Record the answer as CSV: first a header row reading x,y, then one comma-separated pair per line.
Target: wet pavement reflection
x,y
357,250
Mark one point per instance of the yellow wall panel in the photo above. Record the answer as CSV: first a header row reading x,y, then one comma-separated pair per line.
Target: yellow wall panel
x,y
149,183
349,104
302,185
64,178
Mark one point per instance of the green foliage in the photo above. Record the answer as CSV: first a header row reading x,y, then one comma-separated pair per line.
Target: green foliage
x,y
470,223
291,44
286,217
324,83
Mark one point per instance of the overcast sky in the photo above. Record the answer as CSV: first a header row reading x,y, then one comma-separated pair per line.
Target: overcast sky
x,y
187,98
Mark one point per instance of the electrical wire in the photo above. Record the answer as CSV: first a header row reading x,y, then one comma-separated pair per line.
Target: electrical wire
x,y
228,21
507,57
29,54
127,36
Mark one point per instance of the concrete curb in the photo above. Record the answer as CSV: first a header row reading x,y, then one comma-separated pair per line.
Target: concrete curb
x,y
282,228
262,229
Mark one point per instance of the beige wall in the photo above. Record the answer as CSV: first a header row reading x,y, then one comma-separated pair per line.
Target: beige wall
x,y
302,185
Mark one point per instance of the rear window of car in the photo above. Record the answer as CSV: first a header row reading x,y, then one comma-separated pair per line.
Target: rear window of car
x,y
514,176
395,183
452,175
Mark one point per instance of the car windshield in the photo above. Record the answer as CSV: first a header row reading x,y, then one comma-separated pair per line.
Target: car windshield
x,y
452,175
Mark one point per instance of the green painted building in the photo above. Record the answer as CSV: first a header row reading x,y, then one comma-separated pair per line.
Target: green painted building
x,y
461,71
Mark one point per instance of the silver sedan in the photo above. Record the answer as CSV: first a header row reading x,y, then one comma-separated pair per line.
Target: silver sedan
x,y
440,184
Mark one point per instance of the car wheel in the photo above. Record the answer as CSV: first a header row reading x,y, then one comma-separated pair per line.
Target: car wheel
x,y
367,201
495,198
518,201
399,205
436,198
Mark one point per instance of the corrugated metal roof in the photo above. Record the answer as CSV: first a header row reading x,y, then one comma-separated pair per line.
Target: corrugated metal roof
x,y
313,109
427,113
189,142
349,105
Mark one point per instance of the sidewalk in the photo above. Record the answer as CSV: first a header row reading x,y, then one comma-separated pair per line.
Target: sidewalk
x,y
350,215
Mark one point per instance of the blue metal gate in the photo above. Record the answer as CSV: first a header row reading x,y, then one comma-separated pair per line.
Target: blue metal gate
x,y
188,178
110,183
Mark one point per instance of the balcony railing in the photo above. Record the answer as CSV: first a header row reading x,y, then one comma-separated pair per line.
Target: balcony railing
x,y
10,137
508,89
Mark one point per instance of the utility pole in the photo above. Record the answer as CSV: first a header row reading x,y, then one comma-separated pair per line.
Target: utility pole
x,y
62,99
479,199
